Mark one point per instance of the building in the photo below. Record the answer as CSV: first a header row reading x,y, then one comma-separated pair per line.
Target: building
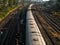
x,y
53,0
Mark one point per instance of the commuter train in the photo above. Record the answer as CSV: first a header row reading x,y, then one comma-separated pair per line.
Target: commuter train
x,y
33,34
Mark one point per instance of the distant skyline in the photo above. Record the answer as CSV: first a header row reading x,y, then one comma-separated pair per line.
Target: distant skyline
x,y
35,0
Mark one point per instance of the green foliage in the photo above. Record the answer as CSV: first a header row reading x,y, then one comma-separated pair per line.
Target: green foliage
x,y
2,14
6,6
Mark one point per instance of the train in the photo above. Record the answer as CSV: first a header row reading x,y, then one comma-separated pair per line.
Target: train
x,y
33,34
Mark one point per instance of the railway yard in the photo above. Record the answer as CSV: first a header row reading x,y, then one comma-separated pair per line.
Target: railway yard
x,y
30,25
48,24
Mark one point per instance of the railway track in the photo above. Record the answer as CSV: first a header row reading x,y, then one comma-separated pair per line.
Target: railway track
x,y
55,26
13,32
43,31
54,21
52,35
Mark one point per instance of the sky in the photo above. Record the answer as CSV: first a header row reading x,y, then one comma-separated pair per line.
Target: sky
x,y
45,0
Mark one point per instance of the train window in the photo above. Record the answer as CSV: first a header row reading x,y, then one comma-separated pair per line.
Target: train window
x,y
33,32
35,39
31,23
30,19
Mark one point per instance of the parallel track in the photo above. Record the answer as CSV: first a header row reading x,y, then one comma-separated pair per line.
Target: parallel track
x,y
51,32
13,30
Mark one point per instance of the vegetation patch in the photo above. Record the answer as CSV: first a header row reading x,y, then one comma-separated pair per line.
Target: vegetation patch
x,y
6,11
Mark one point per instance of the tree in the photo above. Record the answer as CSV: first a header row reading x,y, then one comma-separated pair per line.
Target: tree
x,y
0,1
13,2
